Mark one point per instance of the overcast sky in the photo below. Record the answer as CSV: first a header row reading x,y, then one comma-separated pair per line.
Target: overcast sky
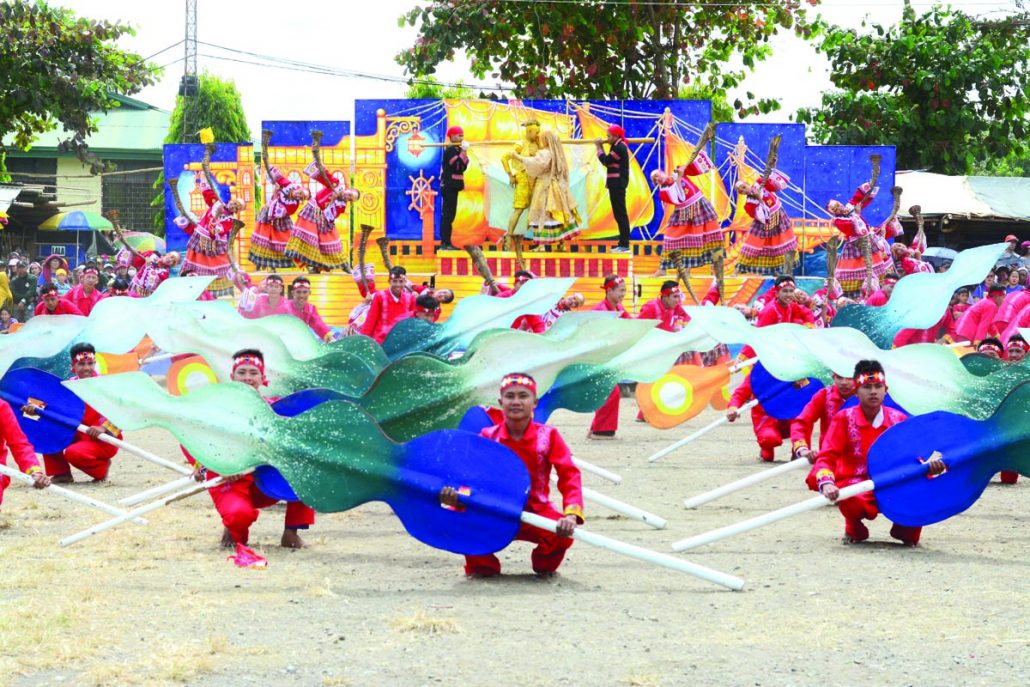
x,y
364,37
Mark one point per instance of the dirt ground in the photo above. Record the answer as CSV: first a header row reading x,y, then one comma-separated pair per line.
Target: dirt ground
x,y
369,605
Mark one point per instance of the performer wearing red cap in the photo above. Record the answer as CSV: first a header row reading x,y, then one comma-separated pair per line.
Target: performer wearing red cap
x,y
87,453
85,294
51,303
978,322
452,182
666,308
606,418
823,406
693,237
299,307
769,246
842,458
389,307
617,163
314,241
541,448
238,500
274,224
12,437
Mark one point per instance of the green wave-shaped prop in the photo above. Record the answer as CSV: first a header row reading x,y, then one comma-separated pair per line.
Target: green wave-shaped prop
x,y
919,300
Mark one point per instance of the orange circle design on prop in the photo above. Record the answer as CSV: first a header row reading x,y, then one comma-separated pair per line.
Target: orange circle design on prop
x,y
680,394
189,374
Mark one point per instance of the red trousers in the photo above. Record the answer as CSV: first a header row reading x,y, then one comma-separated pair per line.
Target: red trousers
x,y
606,419
89,455
1009,476
547,556
863,507
769,432
4,481
238,503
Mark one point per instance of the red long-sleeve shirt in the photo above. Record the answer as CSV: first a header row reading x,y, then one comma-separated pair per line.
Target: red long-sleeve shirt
x,y
823,406
309,316
846,445
84,303
540,449
608,307
11,437
63,308
977,323
670,319
385,311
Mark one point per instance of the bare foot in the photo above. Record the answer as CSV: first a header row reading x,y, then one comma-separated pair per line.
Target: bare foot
x,y
227,541
66,478
291,540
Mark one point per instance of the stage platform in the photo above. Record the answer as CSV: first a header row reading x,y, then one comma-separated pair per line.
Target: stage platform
x,y
335,293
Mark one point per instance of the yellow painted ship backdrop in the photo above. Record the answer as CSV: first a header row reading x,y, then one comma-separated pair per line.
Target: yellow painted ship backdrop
x,y
392,155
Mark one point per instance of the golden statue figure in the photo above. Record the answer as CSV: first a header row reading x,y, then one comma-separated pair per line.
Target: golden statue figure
x,y
518,178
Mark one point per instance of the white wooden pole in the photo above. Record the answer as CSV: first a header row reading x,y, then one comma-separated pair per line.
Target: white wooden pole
x,y
760,476
699,433
737,367
620,507
159,490
137,451
157,358
597,470
640,553
69,494
813,503
153,505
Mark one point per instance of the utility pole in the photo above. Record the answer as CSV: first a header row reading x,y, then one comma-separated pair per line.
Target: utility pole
x,y
189,85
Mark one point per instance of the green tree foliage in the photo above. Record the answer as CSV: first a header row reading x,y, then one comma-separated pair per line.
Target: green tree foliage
x,y
57,69
217,106
601,49
430,88
947,89
722,111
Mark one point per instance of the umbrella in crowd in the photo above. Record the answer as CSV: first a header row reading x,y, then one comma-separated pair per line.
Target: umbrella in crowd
x,y
76,221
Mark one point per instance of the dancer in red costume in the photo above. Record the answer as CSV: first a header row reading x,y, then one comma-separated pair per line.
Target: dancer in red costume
x,y
770,245
667,308
85,294
238,500
852,271
389,307
541,448
264,301
299,307
978,321
12,437
274,224
86,453
842,458
606,419
823,406
883,294
314,241
51,303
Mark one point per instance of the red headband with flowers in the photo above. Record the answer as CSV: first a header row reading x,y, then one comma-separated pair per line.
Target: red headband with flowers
x,y
786,282
671,290
990,347
249,359
422,308
890,280
1019,343
870,378
518,380
84,357
613,283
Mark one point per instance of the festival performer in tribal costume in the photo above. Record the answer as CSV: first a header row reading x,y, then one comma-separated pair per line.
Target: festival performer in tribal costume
x,y
86,453
264,301
541,448
151,267
275,220
389,307
770,245
693,237
822,407
520,180
12,437
553,216
207,251
842,460
298,306
860,265
616,162
238,499
314,241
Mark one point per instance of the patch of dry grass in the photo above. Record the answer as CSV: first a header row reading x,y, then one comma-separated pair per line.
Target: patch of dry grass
x,y
423,623
643,681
